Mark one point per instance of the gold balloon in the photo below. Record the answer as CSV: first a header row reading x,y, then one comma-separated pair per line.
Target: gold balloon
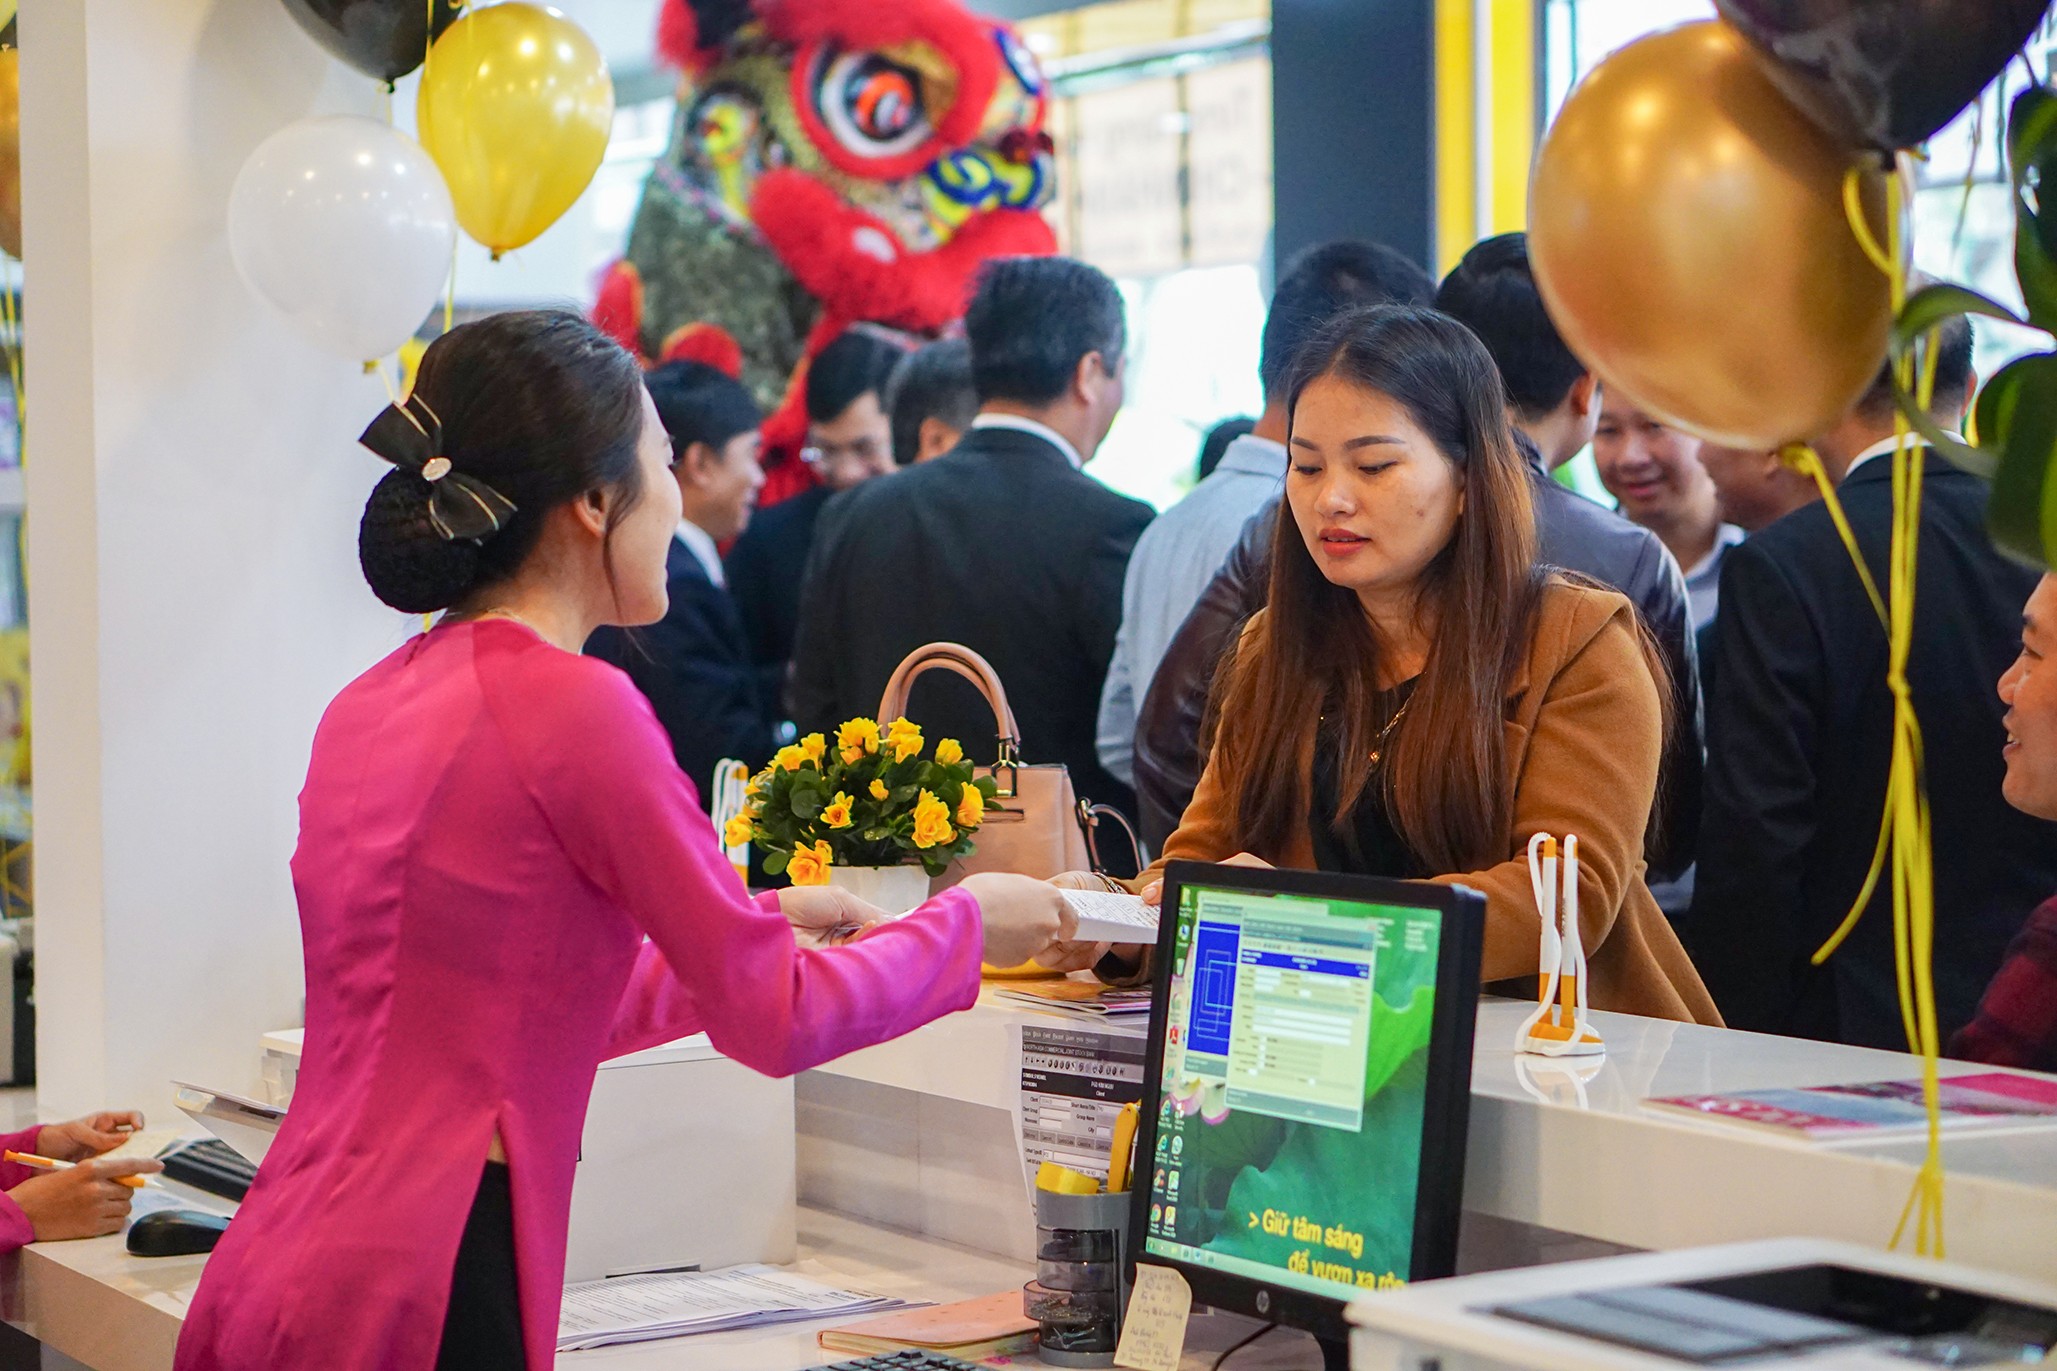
x,y
1689,238
515,106
10,152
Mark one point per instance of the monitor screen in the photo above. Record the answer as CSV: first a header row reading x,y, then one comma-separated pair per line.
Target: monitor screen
x,y
1293,1079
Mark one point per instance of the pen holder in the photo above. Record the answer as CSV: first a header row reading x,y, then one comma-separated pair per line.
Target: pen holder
x,y
1076,1296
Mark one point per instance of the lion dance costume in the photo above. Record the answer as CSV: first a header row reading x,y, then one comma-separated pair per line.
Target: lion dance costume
x,y
835,162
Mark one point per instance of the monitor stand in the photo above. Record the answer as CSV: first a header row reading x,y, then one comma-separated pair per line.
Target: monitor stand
x,y
1335,1353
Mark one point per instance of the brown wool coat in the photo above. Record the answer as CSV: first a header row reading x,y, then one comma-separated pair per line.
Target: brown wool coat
x,y
1584,736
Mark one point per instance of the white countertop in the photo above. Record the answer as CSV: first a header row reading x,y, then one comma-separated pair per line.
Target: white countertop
x,y
100,1306
1605,1167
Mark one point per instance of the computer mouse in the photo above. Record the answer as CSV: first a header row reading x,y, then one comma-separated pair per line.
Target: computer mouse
x,y
176,1233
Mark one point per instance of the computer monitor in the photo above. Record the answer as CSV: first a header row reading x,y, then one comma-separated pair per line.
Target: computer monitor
x,y
1308,1080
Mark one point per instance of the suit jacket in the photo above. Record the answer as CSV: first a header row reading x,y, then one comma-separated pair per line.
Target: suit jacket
x,y
1799,739
764,570
1571,532
1584,741
694,665
1001,545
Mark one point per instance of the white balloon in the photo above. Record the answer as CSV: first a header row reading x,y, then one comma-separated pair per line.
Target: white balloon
x,y
345,226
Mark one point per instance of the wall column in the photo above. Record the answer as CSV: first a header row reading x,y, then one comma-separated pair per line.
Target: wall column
x,y
193,488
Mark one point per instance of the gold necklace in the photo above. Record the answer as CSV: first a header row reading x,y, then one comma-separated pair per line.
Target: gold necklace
x,y
1378,747
497,612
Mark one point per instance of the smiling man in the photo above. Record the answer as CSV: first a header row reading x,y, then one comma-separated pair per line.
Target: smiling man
x,y
2016,1023
1653,471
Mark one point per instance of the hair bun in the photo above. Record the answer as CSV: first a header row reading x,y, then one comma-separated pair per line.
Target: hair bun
x,y
406,562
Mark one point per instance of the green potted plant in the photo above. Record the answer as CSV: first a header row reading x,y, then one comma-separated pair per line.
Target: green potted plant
x,y
876,813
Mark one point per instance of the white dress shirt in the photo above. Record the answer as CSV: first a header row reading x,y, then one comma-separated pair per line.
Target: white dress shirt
x,y
700,543
1703,578
1043,431
1174,560
1880,449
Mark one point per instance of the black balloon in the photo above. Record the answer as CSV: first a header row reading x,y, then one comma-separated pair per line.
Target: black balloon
x,y
1884,73
385,39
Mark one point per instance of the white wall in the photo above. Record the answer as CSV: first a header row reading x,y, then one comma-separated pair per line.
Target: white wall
x,y
193,487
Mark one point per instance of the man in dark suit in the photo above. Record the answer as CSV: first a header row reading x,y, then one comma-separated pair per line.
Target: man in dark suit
x,y
1003,544
1554,403
695,664
1800,737
930,401
849,441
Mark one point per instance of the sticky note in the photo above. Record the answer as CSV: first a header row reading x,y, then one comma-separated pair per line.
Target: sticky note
x,y
1063,1180
1153,1331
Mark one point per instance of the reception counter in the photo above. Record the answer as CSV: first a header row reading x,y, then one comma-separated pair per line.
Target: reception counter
x,y
923,1126
97,1306
910,1183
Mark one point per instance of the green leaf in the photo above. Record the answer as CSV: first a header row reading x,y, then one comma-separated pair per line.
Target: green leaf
x,y
903,793
775,862
2018,514
1976,461
2036,269
808,803
2031,121
1933,305
2032,147
1995,407
879,834
987,786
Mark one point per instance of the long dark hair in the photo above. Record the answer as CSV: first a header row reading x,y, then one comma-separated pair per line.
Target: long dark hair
x,y
1315,653
538,404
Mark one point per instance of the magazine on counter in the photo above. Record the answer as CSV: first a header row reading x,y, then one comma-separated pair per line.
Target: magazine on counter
x,y
1086,999
1878,1109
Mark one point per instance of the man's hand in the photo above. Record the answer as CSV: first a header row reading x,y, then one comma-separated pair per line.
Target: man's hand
x,y
87,1137
824,915
84,1201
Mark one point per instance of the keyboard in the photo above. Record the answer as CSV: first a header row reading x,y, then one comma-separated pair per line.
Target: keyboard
x,y
212,1166
910,1360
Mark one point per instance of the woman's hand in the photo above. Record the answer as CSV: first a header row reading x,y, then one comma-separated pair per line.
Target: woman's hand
x,y
1025,919
824,915
82,1202
1086,956
87,1137
1153,893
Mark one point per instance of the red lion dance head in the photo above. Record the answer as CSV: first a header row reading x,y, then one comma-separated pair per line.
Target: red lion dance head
x,y
834,162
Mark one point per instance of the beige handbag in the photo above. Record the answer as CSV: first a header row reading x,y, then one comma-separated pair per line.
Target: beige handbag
x,y
1036,825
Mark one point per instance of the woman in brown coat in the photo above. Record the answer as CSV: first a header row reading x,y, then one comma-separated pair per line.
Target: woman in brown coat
x,y
1420,696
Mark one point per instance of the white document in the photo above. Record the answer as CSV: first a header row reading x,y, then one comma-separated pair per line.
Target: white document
x,y
1074,1081
1105,917
670,1304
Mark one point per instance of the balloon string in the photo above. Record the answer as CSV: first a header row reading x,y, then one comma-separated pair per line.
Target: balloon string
x,y
1807,462
1853,209
10,315
1978,138
1905,832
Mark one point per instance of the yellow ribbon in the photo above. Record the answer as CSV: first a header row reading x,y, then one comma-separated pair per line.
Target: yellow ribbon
x,y
1905,836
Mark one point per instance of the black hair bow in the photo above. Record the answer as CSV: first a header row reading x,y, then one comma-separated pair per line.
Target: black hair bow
x,y
410,436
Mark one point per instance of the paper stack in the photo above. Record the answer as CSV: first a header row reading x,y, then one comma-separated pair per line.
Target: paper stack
x,y
1077,999
671,1304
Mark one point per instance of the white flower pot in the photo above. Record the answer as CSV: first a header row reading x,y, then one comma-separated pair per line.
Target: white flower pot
x,y
895,889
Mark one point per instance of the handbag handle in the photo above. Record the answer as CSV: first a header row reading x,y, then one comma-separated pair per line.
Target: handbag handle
x,y
953,657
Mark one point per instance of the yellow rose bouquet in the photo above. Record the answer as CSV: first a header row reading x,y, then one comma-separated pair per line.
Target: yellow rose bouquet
x,y
870,798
